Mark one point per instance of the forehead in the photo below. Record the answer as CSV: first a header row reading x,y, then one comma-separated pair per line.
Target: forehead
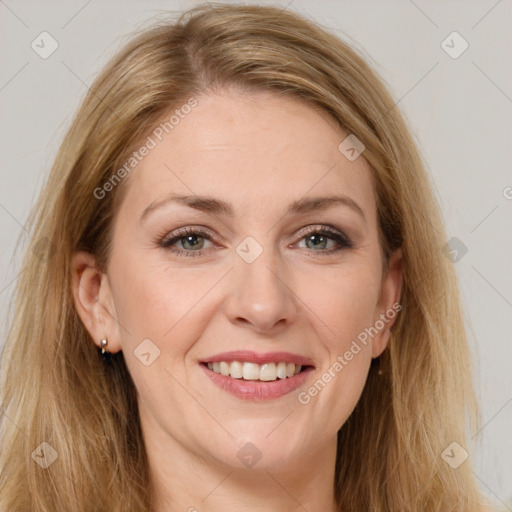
x,y
256,150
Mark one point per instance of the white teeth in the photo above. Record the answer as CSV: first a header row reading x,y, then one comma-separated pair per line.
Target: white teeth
x,y
281,370
236,370
224,368
268,371
252,371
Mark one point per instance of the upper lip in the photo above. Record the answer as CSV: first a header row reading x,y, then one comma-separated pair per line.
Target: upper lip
x,y
248,356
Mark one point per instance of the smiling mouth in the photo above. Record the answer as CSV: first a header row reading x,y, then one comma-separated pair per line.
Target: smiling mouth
x,y
246,371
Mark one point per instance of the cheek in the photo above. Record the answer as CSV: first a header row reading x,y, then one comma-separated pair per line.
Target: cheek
x,y
156,302
343,314
344,304
160,312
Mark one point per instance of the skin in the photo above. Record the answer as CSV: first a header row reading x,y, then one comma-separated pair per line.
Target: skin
x,y
260,152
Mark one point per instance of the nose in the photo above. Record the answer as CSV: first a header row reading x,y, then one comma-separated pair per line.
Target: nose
x,y
261,294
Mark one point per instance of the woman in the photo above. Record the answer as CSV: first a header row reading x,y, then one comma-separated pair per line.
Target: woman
x,y
239,223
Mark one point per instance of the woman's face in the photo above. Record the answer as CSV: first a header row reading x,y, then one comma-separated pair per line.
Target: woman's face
x,y
247,267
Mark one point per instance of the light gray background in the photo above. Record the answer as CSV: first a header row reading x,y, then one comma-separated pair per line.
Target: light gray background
x,y
459,110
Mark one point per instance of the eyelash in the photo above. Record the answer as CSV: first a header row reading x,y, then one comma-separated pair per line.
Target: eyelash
x,y
166,243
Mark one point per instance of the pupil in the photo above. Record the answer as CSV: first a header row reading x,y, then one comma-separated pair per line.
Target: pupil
x,y
312,237
191,237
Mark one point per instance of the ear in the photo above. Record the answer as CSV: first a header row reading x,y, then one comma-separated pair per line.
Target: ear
x,y
94,302
387,308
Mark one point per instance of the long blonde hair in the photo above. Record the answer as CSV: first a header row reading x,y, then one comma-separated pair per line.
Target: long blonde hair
x,y
55,389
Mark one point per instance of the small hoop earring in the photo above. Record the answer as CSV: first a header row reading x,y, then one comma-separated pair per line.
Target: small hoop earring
x,y
104,353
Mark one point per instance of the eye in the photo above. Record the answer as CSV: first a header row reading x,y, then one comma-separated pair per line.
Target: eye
x,y
319,237
189,240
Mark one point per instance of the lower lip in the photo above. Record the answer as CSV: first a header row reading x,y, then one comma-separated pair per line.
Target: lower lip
x,y
258,391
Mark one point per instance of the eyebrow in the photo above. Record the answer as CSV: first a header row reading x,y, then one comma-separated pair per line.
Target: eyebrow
x,y
215,206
